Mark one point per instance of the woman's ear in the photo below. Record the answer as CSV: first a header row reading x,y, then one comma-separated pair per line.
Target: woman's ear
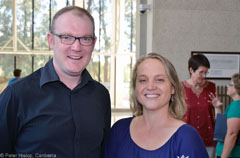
x,y
191,70
173,90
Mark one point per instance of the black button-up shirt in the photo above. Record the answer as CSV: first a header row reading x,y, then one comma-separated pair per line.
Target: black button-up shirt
x,y
40,116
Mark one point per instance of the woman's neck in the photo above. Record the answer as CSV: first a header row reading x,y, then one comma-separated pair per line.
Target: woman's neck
x,y
195,84
157,118
236,97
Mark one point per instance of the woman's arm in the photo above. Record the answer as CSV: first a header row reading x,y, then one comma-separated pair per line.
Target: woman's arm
x,y
233,127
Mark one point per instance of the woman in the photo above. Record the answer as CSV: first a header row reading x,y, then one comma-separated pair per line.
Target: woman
x,y
229,148
158,105
200,113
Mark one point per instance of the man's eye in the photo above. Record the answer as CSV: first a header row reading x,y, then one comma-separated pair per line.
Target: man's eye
x,y
87,38
67,37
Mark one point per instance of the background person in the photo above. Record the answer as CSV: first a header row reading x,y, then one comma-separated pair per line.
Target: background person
x,y
229,148
200,112
158,105
59,110
16,74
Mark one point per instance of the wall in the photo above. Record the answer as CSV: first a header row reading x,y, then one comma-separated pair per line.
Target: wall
x,y
174,28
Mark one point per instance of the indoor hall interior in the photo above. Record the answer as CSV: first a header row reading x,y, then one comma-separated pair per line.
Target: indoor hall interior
x,y
125,30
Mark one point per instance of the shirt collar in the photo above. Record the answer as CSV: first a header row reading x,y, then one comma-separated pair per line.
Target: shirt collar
x,y
48,74
86,77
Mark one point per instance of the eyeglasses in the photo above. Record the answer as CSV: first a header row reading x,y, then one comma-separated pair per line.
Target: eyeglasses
x,y
203,73
229,85
69,40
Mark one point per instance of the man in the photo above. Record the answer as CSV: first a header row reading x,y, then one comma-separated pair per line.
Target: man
x,y
59,110
17,75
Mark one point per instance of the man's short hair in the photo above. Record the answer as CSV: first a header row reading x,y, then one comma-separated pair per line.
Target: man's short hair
x,y
77,11
17,72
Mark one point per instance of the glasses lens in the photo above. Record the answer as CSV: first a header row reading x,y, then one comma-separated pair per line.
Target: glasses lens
x,y
203,73
86,41
67,39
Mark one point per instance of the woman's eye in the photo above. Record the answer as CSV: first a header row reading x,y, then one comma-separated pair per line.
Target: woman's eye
x,y
160,80
142,80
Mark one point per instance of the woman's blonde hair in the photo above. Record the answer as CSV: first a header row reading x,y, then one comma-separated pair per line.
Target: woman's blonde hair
x,y
177,105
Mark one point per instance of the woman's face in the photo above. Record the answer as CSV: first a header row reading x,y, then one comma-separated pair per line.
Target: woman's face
x,y
153,88
199,75
231,90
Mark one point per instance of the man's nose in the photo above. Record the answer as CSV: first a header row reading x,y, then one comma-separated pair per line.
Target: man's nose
x,y
76,45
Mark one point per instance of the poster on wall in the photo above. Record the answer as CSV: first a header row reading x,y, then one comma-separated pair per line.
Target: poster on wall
x,y
222,64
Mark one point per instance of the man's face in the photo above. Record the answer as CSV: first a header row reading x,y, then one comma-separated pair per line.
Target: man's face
x,y
71,60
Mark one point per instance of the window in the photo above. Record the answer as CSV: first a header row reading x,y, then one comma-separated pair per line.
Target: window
x,y
23,43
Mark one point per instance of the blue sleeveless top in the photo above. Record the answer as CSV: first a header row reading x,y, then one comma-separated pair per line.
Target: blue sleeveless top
x,y
184,143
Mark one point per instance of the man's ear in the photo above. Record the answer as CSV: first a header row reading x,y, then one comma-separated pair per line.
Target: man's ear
x,y
95,40
50,40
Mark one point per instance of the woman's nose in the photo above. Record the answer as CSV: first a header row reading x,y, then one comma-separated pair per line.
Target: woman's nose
x,y
151,86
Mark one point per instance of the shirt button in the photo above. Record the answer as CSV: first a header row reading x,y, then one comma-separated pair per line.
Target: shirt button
x,y
197,102
209,127
198,117
197,126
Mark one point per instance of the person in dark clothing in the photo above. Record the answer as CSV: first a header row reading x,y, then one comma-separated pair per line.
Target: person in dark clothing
x,y
17,75
58,110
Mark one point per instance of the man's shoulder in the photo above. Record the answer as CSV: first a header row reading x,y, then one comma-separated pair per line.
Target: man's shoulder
x,y
27,80
87,78
24,85
100,86
34,75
